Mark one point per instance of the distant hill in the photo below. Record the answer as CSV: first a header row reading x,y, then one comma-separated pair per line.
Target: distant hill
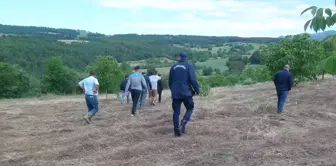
x,y
318,36
322,35
55,33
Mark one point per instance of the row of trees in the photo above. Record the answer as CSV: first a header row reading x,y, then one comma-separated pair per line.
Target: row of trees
x,y
59,79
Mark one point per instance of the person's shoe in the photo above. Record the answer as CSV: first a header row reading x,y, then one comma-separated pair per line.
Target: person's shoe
x,y
182,127
87,118
177,133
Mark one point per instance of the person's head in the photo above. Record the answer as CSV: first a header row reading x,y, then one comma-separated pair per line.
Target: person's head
x,y
137,68
93,73
159,75
286,67
126,76
182,56
143,73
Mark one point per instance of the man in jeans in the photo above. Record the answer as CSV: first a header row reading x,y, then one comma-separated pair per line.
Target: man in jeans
x,y
183,85
136,83
145,92
90,88
283,82
122,89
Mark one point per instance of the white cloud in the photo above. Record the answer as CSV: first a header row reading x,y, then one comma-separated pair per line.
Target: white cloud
x,y
219,17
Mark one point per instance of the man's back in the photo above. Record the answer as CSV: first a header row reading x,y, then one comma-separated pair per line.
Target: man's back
x,y
283,80
154,81
182,78
136,81
89,85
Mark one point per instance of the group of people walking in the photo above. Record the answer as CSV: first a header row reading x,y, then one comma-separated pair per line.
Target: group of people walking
x,y
182,83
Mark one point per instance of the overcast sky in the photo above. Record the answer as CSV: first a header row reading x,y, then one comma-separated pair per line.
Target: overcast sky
x,y
244,18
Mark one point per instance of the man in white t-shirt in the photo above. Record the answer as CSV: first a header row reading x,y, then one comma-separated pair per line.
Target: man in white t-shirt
x,y
90,88
153,78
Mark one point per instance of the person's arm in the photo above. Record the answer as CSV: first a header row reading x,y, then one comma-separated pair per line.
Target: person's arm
x,y
193,79
81,85
290,82
128,84
274,79
97,86
149,83
170,81
144,84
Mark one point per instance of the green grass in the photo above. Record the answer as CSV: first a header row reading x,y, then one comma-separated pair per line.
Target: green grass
x,y
214,63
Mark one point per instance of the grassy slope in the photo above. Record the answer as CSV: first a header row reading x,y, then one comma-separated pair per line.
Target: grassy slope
x,y
215,63
233,126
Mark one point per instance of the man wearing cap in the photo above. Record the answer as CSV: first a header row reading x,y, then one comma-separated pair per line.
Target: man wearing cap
x,y
283,82
183,85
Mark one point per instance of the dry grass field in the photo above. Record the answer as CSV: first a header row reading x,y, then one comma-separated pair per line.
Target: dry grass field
x,y
232,126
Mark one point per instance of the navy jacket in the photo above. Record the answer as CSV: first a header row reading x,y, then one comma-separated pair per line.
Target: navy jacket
x,y
182,80
283,80
149,84
123,85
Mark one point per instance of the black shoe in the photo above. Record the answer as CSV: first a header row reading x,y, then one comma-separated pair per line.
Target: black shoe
x,y
177,133
182,127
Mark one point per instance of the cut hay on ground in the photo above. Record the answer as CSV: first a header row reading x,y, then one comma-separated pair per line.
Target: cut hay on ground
x,y
233,126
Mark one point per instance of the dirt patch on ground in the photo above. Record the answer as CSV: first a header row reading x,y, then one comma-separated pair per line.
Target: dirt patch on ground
x,y
232,126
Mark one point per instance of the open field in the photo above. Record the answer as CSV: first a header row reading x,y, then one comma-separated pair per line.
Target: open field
x,y
232,126
215,63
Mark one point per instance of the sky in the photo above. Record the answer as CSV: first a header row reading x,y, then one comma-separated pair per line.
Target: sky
x,y
245,18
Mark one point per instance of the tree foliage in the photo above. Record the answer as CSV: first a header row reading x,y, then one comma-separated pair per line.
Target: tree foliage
x,y
58,78
322,18
300,52
108,73
255,58
14,82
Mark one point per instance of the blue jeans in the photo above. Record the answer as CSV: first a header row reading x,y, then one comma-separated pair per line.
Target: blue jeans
x,y
188,103
92,104
123,96
282,96
143,98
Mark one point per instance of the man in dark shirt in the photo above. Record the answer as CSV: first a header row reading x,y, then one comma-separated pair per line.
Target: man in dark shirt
x,y
144,94
183,85
283,81
122,89
160,87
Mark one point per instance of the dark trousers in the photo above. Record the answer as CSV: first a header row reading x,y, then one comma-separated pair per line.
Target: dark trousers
x,y
282,96
135,98
92,104
189,105
160,94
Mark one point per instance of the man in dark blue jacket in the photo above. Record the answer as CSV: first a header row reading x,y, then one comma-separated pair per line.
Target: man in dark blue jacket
x,y
183,86
283,81
122,89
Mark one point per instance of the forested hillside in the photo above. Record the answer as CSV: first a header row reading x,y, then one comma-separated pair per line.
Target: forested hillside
x,y
45,58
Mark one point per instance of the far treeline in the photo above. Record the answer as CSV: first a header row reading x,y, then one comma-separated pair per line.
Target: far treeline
x,y
35,61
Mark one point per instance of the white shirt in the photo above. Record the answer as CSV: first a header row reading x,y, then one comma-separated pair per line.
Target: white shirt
x,y
154,79
89,85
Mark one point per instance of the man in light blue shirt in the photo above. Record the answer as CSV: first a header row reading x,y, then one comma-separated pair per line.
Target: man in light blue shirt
x,y
90,88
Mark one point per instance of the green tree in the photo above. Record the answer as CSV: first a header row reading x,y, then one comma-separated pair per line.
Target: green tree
x,y
58,78
207,71
151,70
319,22
255,58
300,52
126,68
257,74
14,82
108,73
